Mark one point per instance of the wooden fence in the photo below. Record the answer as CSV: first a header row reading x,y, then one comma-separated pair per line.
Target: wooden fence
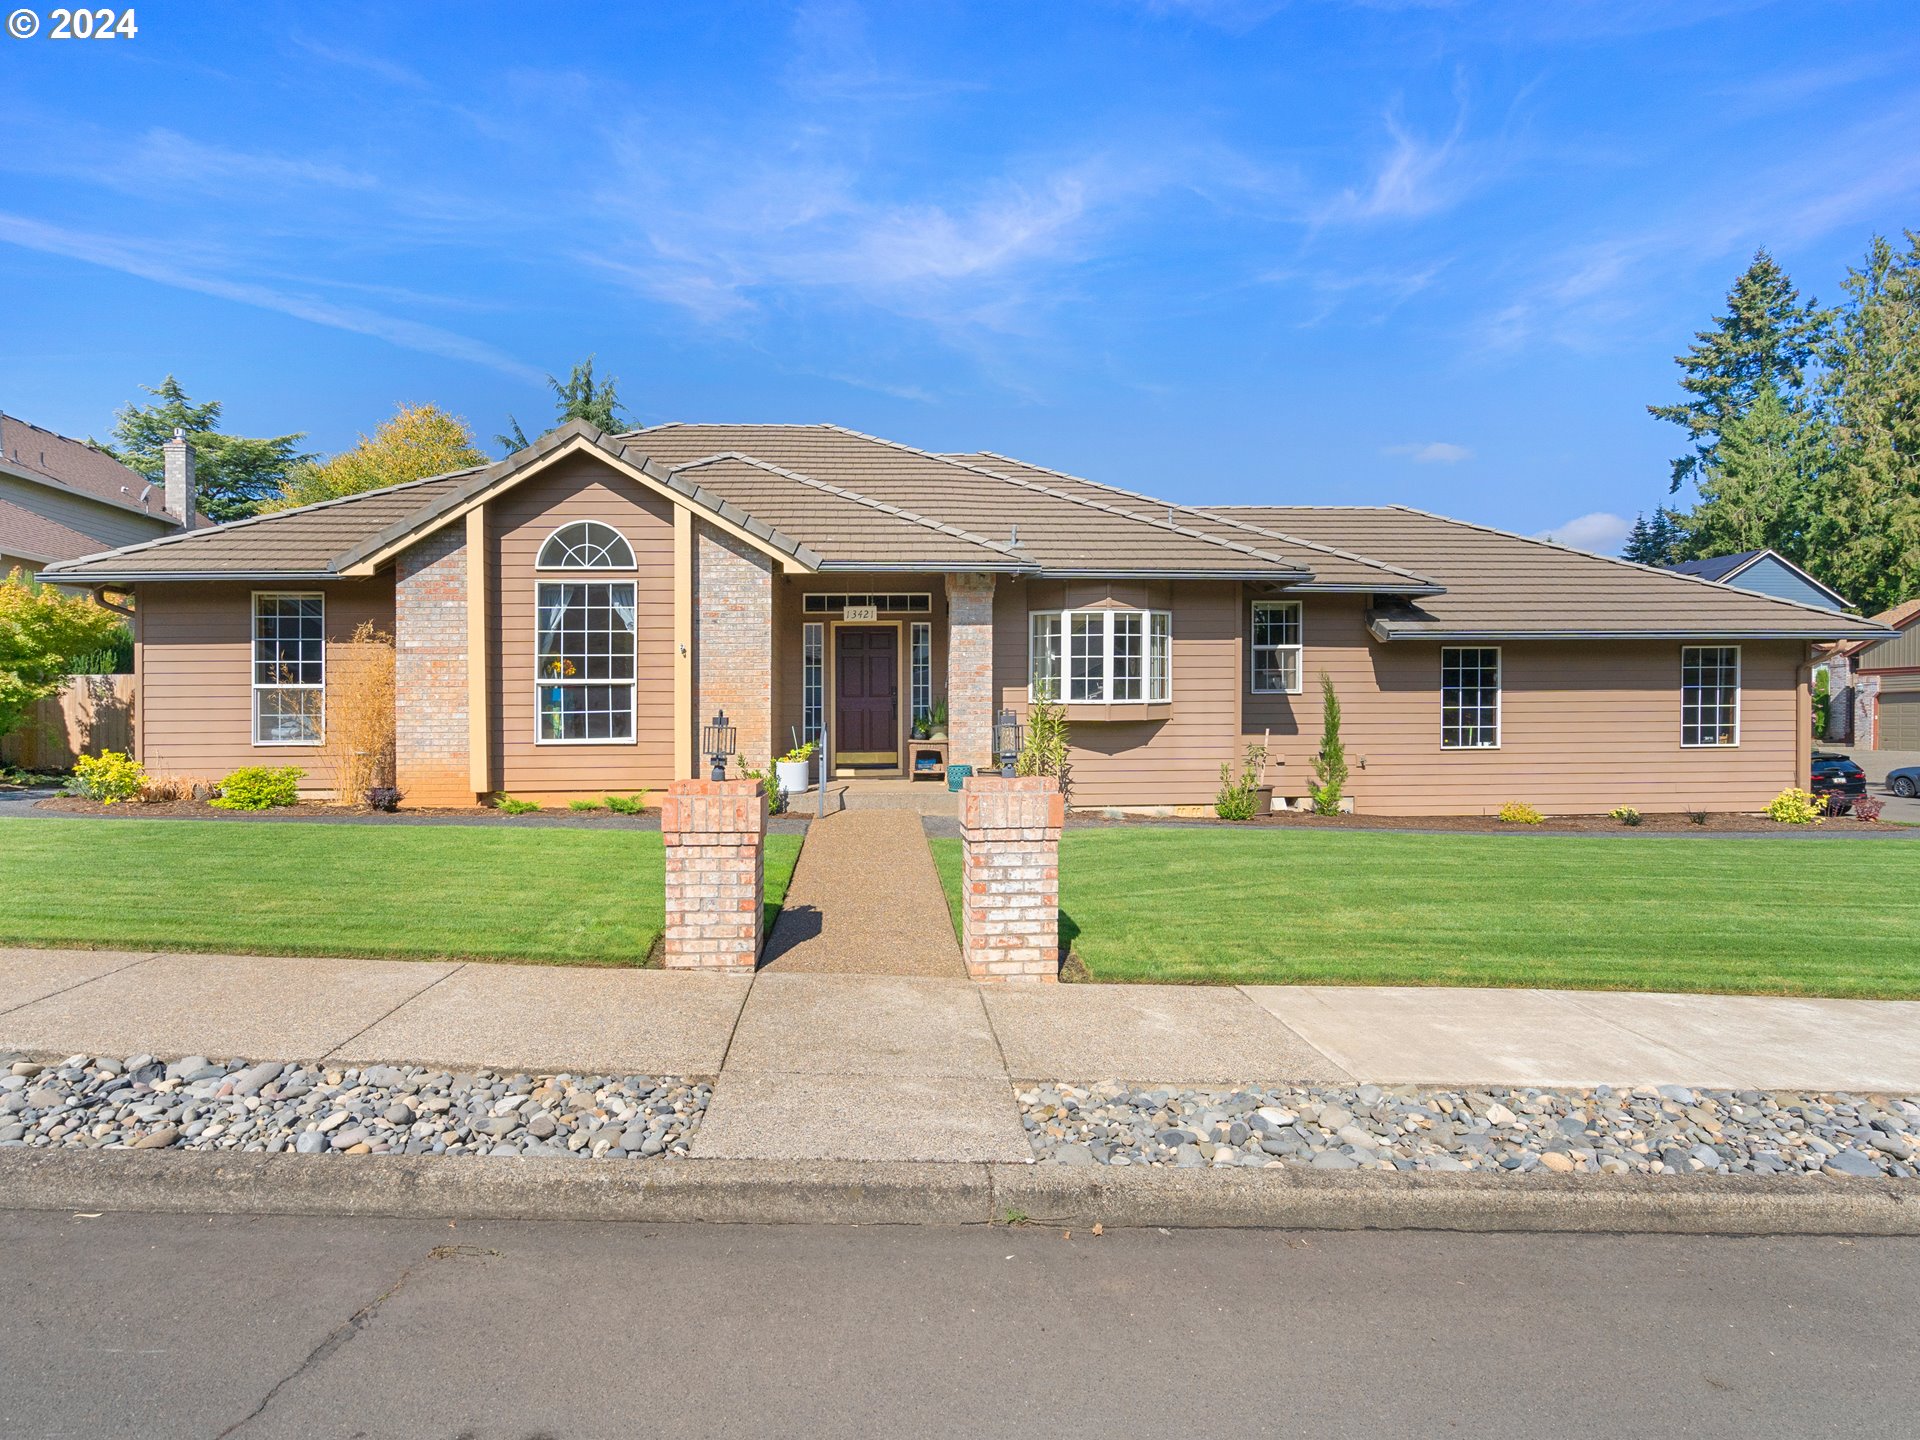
x,y
90,713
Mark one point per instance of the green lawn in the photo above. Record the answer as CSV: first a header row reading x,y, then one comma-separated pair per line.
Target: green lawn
x,y
1772,917
560,896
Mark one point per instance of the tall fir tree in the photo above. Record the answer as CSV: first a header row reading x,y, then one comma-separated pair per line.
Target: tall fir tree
x,y
1765,484
1655,540
232,473
579,397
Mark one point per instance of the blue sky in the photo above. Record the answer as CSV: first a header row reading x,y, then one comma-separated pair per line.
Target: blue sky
x,y
1220,250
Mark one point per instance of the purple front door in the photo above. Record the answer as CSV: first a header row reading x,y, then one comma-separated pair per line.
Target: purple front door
x,y
867,663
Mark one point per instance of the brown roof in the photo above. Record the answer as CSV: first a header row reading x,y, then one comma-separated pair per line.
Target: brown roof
x,y
1906,613
1501,585
30,536
40,455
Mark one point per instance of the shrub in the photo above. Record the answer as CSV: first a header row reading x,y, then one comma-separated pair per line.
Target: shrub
x,y
109,777
44,632
1793,806
1515,813
163,789
1822,703
770,787
1240,799
1867,808
383,798
584,807
1625,814
1045,745
260,787
359,743
1697,817
1330,765
627,804
507,805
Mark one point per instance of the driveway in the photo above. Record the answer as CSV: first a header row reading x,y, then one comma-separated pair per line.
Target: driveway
x,y
1877,763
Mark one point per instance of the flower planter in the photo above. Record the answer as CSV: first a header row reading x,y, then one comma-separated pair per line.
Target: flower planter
x,y
794,775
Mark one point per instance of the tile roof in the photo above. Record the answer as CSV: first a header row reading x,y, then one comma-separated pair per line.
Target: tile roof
x,y
1506,585
67,464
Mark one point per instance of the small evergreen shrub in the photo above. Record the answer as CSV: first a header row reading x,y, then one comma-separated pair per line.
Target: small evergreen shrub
x,y
109,777
1625,814
1793,806
1516,813
259,787
585,807
1697,817
507,805
627,804
770,787
383,798
1240,799
1330,765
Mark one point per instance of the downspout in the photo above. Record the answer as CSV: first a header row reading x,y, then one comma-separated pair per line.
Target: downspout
x,y
100,599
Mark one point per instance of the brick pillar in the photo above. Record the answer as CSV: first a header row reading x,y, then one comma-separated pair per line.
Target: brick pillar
x,y
715,834
733,640
970,697
1010,877
1866,700
430,671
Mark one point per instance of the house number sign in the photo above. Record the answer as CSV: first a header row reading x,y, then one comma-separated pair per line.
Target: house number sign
x,y
861,614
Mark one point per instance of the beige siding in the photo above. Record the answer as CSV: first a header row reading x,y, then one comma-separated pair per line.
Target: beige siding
x,y
517,523
194,662
110,525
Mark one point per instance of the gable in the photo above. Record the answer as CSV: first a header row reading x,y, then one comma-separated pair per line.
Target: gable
x,y
1770,575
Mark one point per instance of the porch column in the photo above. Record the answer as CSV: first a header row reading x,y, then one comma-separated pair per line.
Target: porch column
x,y
431,735
715,836
733,641
1010,877
970,670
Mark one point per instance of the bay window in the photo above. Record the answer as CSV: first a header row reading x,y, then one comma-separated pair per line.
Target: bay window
x,y
1101,657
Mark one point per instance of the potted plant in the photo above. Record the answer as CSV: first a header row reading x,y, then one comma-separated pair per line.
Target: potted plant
x,y
937,721
922,726
794,770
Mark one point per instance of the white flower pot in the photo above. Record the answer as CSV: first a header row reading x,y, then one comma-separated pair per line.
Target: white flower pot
x,y
794,775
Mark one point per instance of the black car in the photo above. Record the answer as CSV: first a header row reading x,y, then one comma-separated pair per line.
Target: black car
x,y
1839,780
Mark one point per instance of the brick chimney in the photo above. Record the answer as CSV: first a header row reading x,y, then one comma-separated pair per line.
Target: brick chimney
x,y
181,498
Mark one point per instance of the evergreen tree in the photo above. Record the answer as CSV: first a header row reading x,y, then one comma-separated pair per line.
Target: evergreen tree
x,y
232,473
1765,483
578,397
420,440
1654,541
1766,338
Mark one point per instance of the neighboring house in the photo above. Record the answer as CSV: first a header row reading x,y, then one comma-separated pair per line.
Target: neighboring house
x,y
1875,685
568,617
61,499
1765,572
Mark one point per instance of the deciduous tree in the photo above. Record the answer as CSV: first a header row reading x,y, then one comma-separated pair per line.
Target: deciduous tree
x,y
420,440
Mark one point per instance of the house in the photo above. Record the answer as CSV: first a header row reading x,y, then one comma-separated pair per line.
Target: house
x,y
1765,572
1875,684
61,499
566,619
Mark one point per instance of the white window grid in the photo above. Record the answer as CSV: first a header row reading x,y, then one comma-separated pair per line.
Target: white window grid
x,y
823,602
813,680
1470,698
585,545
583,663
289,667
1277,631
1709,696
920,668
1101,657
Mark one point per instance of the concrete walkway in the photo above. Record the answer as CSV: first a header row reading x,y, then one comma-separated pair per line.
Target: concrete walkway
x,y
834,1066
865,900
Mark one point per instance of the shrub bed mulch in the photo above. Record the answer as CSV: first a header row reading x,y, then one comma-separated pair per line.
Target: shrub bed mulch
x,y
317,810
1719,822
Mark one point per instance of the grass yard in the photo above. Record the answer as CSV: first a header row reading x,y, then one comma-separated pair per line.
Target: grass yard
x,y
549,896
1764,917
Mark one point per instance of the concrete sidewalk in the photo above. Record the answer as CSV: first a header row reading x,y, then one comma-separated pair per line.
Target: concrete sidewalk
x,y
854,1067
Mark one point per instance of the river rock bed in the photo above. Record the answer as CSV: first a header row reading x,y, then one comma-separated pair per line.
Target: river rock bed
x,y
141,1103
1670,1130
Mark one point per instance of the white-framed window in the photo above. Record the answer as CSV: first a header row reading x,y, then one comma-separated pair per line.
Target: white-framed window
x,y
1101,657
813,679
1709,696
289,668
583,662
1470,698
920,669
1276,629
585,545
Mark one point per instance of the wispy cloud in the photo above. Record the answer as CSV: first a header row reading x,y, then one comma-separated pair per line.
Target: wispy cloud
x,y
1417,177
391,71
1431,452
150,262
1599,532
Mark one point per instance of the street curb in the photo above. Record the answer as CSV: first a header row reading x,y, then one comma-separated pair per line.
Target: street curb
x,y
846,1192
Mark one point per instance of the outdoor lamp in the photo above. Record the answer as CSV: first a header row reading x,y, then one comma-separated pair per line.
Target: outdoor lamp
x,y
1006,741
718,740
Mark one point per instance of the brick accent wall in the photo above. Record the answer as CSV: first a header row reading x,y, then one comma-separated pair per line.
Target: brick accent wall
x,y
970,670
430,671
1010,878
733,642
715,836
1866,698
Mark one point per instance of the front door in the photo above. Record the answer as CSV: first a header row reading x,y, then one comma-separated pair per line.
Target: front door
x,y
867,662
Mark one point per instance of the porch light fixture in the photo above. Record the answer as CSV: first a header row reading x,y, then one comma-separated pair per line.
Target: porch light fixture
x,y
1006,741
719,740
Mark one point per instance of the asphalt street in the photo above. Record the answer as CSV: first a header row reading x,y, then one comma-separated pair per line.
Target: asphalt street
x,y
163,1326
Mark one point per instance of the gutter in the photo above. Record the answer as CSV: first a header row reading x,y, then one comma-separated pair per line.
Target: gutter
x,y
1387,631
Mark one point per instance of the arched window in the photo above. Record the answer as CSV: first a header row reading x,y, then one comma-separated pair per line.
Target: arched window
x,y
586,545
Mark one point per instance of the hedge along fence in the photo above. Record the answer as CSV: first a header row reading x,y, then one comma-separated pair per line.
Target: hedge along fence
x,y
89,714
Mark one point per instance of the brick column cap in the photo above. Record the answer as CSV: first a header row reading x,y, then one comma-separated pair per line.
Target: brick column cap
x,y
1024,802
713,807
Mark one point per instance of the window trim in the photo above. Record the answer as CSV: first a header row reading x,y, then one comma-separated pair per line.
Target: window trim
x,y
813,656
1299,648
539,556
253,669
1499,698
919,631
1739,675
632,686
1065,618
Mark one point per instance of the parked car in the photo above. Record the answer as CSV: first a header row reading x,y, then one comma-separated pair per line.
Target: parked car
x,y
1838,780
1904,782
